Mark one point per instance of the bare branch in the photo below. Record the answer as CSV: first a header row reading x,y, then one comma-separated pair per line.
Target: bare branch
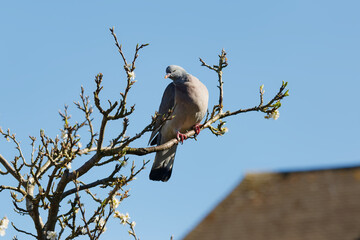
x,y
11,170
121,137
136,55
218,69
17,189
105,181
119,49
22,231
88,110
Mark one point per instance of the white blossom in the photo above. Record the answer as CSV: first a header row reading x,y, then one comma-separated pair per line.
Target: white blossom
x,y
79,145
131,75
2,232
115,202
274,115
133,223
4,223
52,235
101,223
83,230
123,217
64,136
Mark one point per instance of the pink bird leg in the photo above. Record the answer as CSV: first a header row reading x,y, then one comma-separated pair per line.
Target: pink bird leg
x,y
197,128
181,137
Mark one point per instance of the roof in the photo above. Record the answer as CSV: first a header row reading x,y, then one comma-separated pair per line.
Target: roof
x,y
316,205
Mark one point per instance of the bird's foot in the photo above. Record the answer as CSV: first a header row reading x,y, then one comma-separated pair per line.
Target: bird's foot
x,y
197,128
181,137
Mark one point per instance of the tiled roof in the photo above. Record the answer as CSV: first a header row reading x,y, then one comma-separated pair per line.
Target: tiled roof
x,y
307,205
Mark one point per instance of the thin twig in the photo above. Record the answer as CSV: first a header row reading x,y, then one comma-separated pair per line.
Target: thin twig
x,y
22,231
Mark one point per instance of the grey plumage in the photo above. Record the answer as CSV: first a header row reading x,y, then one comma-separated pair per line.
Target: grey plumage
x,y
188,98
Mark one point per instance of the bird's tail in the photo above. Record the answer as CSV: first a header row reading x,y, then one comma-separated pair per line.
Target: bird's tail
x,y
163,164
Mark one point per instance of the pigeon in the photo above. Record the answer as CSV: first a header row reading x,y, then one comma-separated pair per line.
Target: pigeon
x,y
187,97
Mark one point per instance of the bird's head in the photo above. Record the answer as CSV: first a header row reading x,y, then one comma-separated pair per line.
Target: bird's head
x,y
175,72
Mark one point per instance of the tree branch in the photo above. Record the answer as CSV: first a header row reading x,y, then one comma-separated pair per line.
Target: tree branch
x,y
12,171
22,231
105,181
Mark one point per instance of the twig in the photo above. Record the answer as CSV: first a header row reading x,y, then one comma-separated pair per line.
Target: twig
x,y
12,171
22,231
218,68
119,48
108,180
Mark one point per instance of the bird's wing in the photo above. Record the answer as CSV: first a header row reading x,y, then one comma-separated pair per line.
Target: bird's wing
x,y
200,95
167,102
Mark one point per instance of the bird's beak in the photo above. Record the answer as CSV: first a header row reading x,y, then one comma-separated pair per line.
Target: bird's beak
x,y
167,75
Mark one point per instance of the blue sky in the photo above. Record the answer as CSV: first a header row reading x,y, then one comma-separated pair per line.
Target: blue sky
x,y
48,50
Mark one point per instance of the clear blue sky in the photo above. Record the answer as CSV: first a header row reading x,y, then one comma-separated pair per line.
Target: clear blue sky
x,y
48,50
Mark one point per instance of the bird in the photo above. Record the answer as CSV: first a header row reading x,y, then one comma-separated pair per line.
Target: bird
x,y
188,98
